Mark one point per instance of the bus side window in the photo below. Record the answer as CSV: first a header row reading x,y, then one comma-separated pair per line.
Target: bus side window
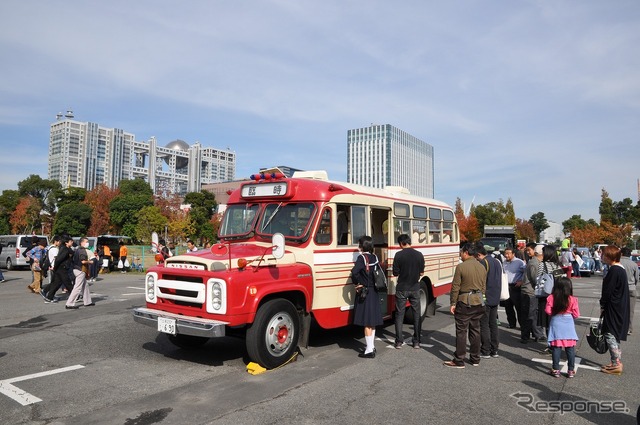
x,y
323,235
401,226
342,225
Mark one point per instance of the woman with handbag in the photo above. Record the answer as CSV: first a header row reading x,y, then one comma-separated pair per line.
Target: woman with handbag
x,y
614,306
367,310
550,264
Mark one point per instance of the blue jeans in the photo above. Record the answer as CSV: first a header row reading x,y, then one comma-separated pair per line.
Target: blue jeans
x,y
571,357
401,302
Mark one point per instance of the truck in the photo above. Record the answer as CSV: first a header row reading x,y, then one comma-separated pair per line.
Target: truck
x,y
499,237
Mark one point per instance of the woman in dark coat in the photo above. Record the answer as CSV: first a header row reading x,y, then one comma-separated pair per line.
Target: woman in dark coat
x,y
614,306
367,308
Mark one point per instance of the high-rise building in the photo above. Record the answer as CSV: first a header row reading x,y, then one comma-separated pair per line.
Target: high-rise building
x,y
383,155
85,154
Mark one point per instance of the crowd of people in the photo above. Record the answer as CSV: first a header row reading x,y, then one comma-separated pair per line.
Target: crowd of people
x,y
64,267
476,294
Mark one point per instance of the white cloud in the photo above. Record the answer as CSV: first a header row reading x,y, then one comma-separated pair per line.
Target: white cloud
x,y
500,89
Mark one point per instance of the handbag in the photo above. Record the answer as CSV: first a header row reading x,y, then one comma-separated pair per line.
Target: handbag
x,y
126,263
120,265
595,337
504,287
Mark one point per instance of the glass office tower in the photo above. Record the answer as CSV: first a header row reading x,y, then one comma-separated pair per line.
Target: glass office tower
x,y
383,155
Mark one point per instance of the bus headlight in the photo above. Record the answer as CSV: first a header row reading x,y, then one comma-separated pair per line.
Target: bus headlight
x,y
216,301
150,287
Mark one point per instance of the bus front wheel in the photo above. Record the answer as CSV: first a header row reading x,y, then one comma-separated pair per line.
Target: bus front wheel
x,y
273,337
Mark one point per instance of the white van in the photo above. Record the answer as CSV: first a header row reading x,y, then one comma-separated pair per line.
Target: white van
x,y
12,247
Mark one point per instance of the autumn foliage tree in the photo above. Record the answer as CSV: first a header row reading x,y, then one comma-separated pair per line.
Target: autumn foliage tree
x,y
26,217
589,235
468,225
99,199
525,230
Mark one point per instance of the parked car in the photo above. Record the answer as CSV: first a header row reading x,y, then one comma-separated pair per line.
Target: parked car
x,y
12,247
588,266
636,259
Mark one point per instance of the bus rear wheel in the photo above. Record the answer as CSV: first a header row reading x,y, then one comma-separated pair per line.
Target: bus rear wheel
x,y
273,337
423,293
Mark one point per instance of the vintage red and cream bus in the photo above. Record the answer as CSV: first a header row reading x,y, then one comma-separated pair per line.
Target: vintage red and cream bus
x,y
285,252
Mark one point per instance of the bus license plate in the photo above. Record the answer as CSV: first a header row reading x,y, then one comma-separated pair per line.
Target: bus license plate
x,y
166,325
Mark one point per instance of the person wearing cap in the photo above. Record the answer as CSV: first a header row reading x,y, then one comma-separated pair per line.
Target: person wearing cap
x,y
529,304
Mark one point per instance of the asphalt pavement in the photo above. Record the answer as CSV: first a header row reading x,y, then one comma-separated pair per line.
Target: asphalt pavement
x,y
328,384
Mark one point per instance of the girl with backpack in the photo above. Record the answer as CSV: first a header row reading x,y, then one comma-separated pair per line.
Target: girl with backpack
x,y
367,303
562,306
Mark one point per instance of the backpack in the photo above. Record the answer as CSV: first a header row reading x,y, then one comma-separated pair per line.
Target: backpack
x,y
546,280
45,263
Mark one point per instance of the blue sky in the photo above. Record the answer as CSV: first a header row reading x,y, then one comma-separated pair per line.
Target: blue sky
x,y
537,101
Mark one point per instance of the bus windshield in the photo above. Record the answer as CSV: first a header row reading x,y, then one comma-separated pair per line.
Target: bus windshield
x,y
238,220
292,220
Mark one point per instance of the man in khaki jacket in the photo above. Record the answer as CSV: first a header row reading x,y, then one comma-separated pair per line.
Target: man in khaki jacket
x,y
467,306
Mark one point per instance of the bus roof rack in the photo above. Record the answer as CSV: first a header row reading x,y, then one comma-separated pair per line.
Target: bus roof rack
x,y
315,175
397,189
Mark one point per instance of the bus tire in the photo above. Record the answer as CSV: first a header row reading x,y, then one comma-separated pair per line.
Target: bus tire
x,y
187,342
424,302
273,337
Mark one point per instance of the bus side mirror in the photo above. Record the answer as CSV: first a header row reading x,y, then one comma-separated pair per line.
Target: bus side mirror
x,y
277,242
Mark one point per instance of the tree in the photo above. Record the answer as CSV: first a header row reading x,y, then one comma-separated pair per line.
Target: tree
x,y
8,202
26,217
123,209
574,222
98,199
467,225
149,220
539,223
617,235
202,208
69,195
73,219
606,208
625,212
510,214
588,235
524,230
41,189
492,213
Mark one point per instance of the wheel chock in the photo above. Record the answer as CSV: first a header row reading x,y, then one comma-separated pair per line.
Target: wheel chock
x,y
255,369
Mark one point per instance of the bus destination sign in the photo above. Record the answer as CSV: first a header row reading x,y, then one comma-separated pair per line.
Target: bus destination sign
x,y
264,189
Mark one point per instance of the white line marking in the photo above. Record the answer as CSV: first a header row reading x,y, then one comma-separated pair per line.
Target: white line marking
x,y
23,397
133,293
136,287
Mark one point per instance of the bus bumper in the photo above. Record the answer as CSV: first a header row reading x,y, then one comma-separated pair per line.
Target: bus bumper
x,y
184,325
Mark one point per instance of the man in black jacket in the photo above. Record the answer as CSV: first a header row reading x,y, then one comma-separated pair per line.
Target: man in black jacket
x,y
489,323
61,267
408,265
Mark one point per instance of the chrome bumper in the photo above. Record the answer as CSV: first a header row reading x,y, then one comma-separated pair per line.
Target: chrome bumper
x,y
185,325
